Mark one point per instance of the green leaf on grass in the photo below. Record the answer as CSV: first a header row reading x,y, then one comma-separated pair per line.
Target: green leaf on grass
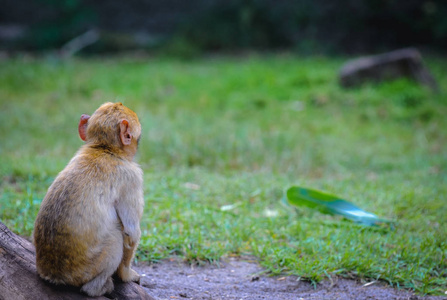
x,y
330,204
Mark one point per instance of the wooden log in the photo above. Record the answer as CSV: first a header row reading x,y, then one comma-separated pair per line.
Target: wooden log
x,y
19,279
388,66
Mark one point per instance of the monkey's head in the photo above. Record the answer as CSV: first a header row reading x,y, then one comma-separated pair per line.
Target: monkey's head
x,y
113,126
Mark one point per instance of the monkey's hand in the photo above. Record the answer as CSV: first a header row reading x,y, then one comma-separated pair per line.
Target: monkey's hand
x,y
129,242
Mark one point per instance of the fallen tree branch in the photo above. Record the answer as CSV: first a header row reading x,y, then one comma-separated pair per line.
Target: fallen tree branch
x,y
78,43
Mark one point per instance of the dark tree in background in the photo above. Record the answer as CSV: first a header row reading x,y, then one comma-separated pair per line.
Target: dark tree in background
x,y
324,25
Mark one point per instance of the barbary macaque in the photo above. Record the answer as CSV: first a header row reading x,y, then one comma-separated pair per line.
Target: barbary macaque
x,y
88,225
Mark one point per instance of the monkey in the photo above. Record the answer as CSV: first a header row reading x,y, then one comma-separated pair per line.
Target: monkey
x,y
88,225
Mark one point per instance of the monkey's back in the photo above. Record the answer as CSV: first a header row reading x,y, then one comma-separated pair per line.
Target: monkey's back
x,y
77,218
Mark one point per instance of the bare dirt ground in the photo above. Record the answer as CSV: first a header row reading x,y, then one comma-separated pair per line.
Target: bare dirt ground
x,y
243,279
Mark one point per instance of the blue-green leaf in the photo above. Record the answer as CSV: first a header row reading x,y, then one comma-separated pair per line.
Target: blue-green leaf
x,y
330,204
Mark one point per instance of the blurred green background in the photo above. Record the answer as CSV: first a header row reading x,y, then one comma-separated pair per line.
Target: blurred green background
x,y
198,26
239,101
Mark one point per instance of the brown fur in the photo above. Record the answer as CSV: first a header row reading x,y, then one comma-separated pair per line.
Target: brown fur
x,y
88,225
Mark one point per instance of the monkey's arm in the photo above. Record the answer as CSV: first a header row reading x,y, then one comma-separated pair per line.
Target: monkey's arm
x,y
129,211
129,217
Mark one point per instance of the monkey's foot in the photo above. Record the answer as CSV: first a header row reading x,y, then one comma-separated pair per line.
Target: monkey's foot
x,y
127,274
97,286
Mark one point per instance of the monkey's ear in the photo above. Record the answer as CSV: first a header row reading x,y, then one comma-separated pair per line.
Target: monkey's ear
x,y
125,135
82,127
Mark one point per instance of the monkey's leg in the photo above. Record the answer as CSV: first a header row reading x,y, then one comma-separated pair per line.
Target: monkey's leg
x,y
109,259
98,286
125,272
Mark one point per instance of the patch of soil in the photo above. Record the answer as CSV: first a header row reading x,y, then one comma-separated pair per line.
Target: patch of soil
x,y
241,279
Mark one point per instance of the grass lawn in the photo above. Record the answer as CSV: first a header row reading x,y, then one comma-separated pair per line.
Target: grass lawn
x,y
223,138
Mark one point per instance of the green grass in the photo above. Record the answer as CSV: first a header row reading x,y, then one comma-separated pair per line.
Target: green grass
x,y
243,130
